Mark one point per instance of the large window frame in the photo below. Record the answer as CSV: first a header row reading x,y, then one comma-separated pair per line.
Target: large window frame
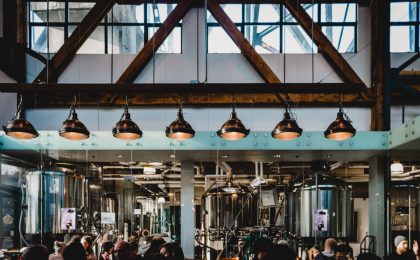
x,y
107,24
281,24
415,23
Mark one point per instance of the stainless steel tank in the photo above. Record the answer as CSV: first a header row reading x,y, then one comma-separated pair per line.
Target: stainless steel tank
x,y
405,206
44,198
224,203
320,207
75,191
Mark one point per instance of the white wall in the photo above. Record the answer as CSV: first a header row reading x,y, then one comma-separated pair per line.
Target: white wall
x,y
362,208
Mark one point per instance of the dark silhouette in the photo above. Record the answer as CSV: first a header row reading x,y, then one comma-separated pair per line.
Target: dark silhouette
x,y
36,252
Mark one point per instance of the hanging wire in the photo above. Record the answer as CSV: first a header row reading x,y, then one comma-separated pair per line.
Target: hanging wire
x,y
206,39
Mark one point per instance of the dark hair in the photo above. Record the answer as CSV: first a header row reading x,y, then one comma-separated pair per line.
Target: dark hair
x,y
175,251
275,251
262,245
74,251
368,256
37,252
106,246
122,250
155,245
88,240
134,246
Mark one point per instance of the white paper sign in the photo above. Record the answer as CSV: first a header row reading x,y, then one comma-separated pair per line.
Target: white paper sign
x,y
321,220
137,211
68,218
107,218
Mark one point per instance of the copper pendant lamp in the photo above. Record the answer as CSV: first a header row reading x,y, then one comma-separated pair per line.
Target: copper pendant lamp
x,y
180,129
233,129
72,128
341,129
18,127
287,129
126,129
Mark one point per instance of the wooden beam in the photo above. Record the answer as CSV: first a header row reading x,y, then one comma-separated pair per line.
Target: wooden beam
x,y
146,53
246,48
407,63
380,64
66,53
333,57
177,88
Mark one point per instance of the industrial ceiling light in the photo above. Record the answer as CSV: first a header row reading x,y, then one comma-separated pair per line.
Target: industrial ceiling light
x,y
233,129
341,128
126,129
72,128
180,129
161,200
397,167
18,127
287,129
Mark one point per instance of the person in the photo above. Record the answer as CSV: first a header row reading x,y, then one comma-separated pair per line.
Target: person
x,y
368,256
87,244
343,252
312,252
36,252
172,251
154,248
401,250
275,251
107,251
58,251
74,251
260,247
122,251
329,250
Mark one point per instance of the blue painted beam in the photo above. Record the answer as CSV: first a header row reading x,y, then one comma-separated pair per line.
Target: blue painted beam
x,y
204,140
406,136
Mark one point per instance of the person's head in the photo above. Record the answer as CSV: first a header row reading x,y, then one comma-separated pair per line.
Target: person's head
x,y
401,244
59,247
134,246
107,247
86,241
274,251
122,250
313,251
330,244
343,251
74,251
261,246
155,245
368,256
172,251
75,239
37,252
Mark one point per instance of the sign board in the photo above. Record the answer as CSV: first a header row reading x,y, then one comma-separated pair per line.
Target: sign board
x,y
321,220
137,211
68,218
107,218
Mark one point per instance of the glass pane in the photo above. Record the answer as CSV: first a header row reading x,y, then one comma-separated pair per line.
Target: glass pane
x,y
78,11
39,38
172,43
338,13
234,11
94,44
296,40
264,38
38,12
127,14
126,39
402,38
342,37
288,18
264,13
220,42
403,12
157,13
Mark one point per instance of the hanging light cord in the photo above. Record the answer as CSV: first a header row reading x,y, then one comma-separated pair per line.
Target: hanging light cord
x,y
72,108
19,108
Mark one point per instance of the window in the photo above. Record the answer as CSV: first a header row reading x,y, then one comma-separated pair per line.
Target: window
x,y
125,29
404,31
270,28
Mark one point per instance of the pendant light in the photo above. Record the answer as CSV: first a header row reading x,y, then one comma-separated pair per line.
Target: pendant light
x,y
18,127
72,128
341,129
126,129
233,129
287,129
180,129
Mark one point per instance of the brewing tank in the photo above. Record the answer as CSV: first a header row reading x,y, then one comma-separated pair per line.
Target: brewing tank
x,y
319,207
44,199
224,203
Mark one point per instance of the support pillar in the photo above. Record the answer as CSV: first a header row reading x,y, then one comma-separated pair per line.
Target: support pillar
x,y
187,208
379,182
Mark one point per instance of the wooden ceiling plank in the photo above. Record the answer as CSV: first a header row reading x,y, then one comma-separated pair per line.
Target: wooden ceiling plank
x,y
66,53
325,47
146,53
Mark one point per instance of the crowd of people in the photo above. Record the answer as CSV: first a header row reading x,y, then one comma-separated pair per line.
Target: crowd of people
x,y
81,248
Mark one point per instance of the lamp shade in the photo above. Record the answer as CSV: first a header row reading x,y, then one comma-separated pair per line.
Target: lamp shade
x,y
180,129
161,200
233,129
20,128
340,129
72,128
287,129
126,129
397,167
